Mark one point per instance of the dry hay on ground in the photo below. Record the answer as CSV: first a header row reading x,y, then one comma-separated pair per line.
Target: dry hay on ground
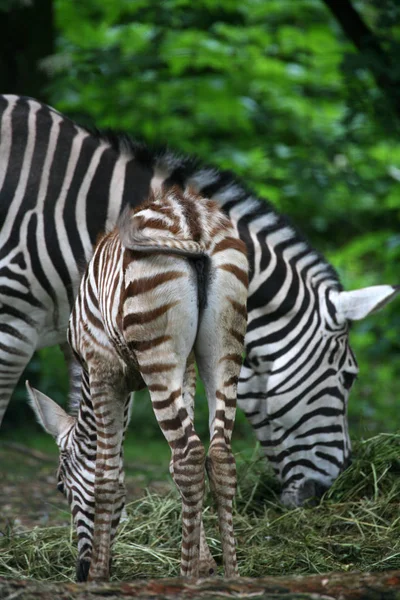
x,y
356,527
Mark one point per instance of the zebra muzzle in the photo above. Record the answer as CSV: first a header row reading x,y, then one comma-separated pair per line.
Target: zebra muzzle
x,y
82,569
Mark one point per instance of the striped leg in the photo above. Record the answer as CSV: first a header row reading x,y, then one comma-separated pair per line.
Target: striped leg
x,y
188,455
218,354
18,340
207,564
221,470
109,398
220,464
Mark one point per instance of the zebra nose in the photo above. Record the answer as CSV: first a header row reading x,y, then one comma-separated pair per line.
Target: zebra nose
x,y
347,462
82,569
311,492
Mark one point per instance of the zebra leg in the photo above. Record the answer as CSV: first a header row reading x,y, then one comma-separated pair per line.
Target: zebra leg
x,y
109,396
188,454
218,351
220,465
207,564
18,341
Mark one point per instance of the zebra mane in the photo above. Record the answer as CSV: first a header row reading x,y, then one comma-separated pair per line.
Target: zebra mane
x,y
220,185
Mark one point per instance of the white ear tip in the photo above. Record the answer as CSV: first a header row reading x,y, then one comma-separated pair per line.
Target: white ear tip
x,y
31,391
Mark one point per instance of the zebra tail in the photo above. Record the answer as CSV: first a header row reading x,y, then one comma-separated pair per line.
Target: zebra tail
x,y
132,238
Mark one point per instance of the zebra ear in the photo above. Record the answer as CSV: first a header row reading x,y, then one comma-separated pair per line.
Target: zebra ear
x,y
360,303
50,415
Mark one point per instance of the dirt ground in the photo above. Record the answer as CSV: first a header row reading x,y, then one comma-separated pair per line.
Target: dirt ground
x,y
28,493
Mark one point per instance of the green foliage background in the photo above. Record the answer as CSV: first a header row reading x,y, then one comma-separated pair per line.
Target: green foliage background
x,y
273,90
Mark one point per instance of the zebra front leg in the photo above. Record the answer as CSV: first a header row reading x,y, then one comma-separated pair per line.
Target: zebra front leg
x,y
18,341
109,396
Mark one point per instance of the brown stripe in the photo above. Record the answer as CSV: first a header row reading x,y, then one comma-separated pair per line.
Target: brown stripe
x,y
190,213
111,467
157,387
190,528
148,344
147,316
154,223
221,416
216,230
231,381
115,285
107,435
157,368
160,404
229,243
239,337
236,358
239,308
105,446
88,314
171,424
237,272
229,402
98,252
147,284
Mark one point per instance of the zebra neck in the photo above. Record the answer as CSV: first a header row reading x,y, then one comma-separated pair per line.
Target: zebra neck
x,y
85,429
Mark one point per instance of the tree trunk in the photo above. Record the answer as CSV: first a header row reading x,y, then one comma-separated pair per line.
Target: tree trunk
x,y
375,58
346,586
26,37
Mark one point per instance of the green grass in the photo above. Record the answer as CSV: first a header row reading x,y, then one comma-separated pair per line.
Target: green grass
x,y
356,527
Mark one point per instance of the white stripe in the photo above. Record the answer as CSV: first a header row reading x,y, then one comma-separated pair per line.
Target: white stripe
x,y
6,137
24,174
158,179
116,191
45,260
81,212
60,205
203,178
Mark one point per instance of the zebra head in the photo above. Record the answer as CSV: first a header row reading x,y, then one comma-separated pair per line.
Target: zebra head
x,y
296,394
76,440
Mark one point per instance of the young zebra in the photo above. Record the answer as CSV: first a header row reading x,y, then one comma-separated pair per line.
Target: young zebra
x,y
140,319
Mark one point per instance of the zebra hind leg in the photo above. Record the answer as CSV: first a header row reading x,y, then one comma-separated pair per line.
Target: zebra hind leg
x,y
218,350
188,457
207,564
220,463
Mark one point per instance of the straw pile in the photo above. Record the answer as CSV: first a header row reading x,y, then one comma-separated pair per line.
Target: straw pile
x,y
356,527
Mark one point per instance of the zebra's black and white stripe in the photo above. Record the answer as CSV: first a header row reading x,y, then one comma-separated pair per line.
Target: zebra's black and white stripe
x,y
167,286
60,186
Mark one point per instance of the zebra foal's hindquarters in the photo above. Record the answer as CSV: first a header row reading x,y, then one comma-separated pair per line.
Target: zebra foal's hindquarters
x,y
167,286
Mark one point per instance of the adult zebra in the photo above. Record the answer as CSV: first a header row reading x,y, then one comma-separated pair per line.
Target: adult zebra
x,y
60,186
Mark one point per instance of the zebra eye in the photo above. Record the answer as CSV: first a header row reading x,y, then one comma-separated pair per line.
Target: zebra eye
x,y
348,379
